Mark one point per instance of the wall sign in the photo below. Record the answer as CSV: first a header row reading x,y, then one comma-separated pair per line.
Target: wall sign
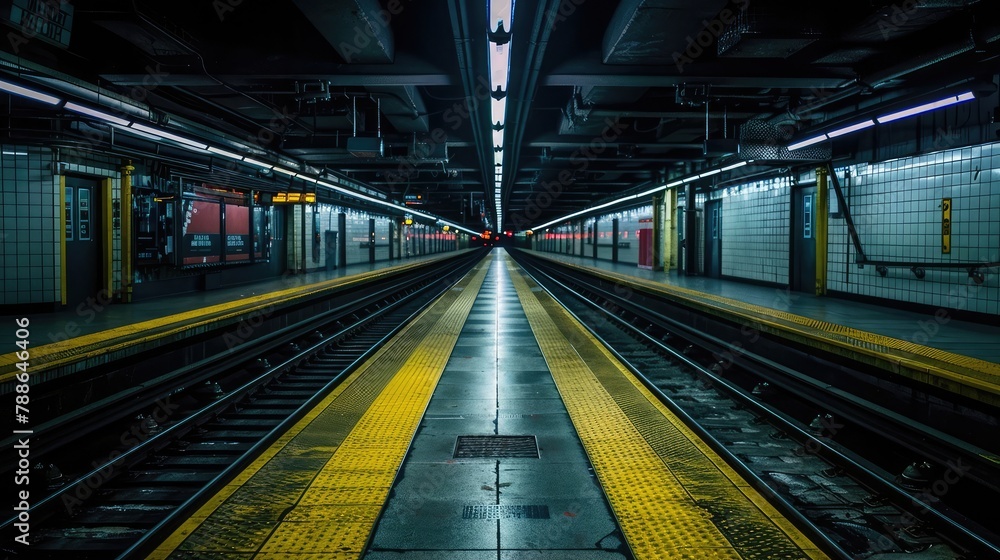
x,y
807,216
945,225
69,213
83,215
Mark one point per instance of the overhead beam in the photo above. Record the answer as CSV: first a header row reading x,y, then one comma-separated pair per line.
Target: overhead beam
x,y
588,70
394,75
355,28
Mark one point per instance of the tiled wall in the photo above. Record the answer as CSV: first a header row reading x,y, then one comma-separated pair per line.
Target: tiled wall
x,y
29,222
896,207
30,226
755,230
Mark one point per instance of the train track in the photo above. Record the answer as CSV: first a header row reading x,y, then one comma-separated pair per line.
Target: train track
x,y
143,475
834,462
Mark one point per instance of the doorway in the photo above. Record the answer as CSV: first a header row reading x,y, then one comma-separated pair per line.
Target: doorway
x,y
84,242
713,239
803,262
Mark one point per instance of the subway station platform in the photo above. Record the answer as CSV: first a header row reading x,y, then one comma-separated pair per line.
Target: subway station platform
x,y
955,355
492,427
74,335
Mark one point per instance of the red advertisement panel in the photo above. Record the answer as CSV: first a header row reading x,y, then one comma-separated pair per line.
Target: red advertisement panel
x,y
237,233
201,232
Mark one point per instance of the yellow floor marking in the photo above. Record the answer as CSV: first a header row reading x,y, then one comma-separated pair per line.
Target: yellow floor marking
x,y
683,501
109,341
965,375
319,489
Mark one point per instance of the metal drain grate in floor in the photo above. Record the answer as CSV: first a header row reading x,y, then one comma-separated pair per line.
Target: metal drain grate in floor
x,y
496,447
493,511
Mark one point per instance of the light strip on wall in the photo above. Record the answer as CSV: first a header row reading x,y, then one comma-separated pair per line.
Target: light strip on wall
x,y
29,93
83,110
260,164
284,171
849,129
807,142
887,118
643,194
155,133
952,100
168,136
224,153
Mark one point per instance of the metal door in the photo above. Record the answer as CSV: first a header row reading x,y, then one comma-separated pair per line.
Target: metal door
x,y
713,239
83,243
803,265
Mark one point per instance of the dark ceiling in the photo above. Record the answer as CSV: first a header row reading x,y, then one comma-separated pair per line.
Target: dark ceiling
x,y
604,96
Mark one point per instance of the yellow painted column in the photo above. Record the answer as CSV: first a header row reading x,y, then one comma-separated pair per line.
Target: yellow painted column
x,y
62,238
821,221
126,231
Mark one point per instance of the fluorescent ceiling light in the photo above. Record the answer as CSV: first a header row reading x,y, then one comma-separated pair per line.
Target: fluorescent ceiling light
x,y
952,100
262,165
501,10
168,136
709,173
733,166
498,158
675,184
499,66
651,191
849,129
807,142
29,93
76,108
224,153
499,109
498,138
284,171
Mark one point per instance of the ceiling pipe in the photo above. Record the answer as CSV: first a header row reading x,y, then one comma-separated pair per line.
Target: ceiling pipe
x,y
539,39
880,78
462,30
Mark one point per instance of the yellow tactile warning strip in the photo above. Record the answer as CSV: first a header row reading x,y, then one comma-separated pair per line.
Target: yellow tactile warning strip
x,y
672,495
112,340
318,490
971,377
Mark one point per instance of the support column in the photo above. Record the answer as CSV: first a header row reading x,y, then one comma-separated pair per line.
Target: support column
x,y
392,239
820,224
583,237
342,240
658,232
126,227
371,240
690,232
594,238
302,266
671,230
614,240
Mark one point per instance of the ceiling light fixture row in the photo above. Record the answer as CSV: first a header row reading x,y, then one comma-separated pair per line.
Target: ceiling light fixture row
x,y
644,194
147,131
888,117
501,13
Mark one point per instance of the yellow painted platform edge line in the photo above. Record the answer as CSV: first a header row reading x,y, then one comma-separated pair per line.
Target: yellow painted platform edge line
x,y
755,497
442,338
212,314
177,537
856,338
